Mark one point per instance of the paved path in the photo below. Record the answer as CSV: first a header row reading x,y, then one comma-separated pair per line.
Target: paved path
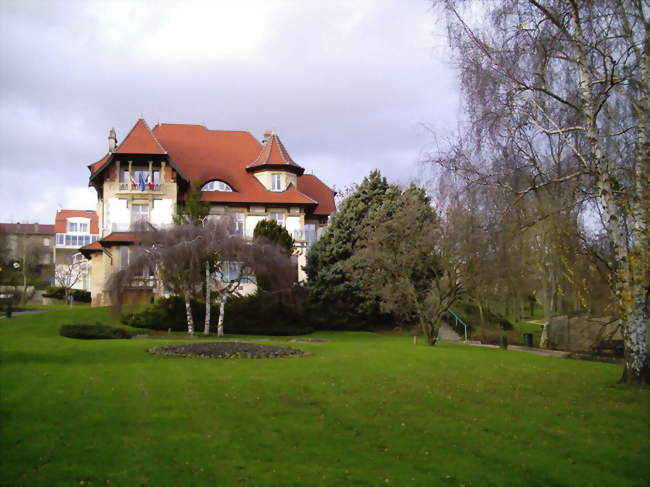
x,y
447,334
27,312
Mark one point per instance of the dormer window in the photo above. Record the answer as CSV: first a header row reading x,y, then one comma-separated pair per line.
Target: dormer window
x,y
216,186
276,182
77,227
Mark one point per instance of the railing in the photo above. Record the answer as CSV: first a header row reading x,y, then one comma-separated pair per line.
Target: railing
x,y
135,188
458,320
146,282
302,236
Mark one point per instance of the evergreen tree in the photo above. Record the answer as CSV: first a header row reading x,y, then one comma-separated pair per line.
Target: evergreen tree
x,y
329,280
194,210
271,232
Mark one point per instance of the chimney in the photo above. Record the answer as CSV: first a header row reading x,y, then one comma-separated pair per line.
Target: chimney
x,y
112,140
267,136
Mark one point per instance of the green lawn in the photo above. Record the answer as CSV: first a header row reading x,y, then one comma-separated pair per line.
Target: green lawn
x,y
364,409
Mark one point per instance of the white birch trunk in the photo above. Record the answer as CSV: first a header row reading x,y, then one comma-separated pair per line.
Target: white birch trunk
x,y
629,292
207,298
188,312
222,310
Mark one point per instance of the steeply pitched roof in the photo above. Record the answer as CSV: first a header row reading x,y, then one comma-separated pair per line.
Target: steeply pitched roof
x,y
203,155
208,155
317,190
140,140
60,222
274,155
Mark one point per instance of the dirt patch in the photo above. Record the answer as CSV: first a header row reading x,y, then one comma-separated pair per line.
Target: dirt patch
x,y
227,350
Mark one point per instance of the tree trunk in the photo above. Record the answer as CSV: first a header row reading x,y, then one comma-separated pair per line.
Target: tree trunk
x,y
207,298
222,310
23,298
631,284
480,313
188,312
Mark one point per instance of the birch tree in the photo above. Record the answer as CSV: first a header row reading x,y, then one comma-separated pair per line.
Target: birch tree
x,y
556,96
177,257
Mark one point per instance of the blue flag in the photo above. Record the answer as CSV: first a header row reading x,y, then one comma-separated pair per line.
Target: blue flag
x,y
142,187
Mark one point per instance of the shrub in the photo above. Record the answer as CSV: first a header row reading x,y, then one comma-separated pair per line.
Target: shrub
x,y
256,314
81,296
89,331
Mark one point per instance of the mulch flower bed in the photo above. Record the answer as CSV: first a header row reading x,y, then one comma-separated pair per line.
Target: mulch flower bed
x,y
227,350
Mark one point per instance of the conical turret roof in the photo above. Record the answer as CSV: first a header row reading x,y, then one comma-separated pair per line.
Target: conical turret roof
x,y
274,156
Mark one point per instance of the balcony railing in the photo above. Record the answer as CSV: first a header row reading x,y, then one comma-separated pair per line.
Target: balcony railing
x,y
302,236
143,282
135,188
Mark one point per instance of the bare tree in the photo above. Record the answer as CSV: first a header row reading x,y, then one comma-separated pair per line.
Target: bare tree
x,y
67,275
177,255
557,94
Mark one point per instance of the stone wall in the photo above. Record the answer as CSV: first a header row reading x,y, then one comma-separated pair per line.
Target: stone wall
x,y
581,333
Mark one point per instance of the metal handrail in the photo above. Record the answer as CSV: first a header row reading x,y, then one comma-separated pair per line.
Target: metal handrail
x,y
459,319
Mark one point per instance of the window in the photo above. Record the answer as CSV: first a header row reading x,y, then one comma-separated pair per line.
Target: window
x,y
238,219
73,227
139,213
278,217
230,271
310,233
216,186
124,257
276,182
46,242
83,228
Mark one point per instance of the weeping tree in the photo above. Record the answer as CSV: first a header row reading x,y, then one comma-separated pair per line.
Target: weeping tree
x,y
177,256
557,96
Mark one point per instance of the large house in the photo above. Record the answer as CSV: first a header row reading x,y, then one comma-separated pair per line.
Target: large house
x,y
149,173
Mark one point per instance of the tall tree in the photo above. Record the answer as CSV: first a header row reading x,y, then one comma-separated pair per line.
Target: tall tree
x,y
327,272
557,94
194,212
404,260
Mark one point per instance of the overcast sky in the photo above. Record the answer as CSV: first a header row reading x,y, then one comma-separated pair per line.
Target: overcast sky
x,y
348,85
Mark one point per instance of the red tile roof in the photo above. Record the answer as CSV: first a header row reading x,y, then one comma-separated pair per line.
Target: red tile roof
x,y
96,166
61,220
317,190
118,237
27,228
140,140
203,155
274,155
91,248
208,155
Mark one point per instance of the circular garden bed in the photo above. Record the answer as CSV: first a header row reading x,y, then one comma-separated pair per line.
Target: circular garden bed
x,y
227,350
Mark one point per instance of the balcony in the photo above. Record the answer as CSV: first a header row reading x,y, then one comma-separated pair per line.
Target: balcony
x,y
135,188
304,236
143,282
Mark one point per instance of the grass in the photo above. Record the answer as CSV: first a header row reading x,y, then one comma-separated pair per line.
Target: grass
x,y
364,409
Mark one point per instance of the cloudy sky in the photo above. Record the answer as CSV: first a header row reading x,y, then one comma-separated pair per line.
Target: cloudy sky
x,y
348,85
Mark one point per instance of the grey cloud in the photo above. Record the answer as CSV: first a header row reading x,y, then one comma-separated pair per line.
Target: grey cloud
x,y
346,86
